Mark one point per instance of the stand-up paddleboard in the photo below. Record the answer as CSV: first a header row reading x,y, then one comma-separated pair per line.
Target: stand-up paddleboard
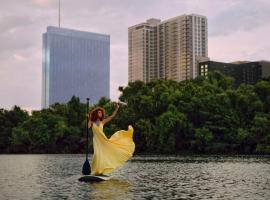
x,y
91,178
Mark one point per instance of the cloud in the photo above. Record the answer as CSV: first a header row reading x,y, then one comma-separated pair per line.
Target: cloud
x,y
19,58
240,16
241,45
20,79
9,23
44,3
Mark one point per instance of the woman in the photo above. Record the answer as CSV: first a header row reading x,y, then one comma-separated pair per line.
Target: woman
x,y
109,153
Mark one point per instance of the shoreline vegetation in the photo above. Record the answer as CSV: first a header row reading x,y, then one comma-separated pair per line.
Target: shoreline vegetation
x,y
206,115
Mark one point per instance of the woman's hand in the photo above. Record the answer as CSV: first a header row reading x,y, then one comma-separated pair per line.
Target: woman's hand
x,y
89,123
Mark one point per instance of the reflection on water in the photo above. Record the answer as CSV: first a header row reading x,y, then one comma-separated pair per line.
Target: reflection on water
x,y
149,177
111,189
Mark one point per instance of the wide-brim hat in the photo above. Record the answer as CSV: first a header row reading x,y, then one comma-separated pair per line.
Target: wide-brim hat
x,y
98,108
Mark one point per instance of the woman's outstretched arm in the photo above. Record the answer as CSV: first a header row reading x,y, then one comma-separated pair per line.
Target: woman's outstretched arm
x,y
112,116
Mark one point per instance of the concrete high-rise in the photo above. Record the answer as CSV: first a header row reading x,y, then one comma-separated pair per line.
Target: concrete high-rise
x,y
167,49
74,63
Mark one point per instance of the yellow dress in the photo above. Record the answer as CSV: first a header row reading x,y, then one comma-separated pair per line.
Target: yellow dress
x,y
113,152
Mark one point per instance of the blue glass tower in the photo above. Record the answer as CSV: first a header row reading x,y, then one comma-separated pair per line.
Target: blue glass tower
x,y
74,63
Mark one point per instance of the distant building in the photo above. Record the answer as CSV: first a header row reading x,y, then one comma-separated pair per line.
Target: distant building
x,y
74,63
167,49
242,72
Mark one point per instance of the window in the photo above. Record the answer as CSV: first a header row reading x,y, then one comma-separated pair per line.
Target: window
x,y
202,71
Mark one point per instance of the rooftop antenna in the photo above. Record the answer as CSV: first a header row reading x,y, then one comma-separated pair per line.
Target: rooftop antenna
x,y
59,14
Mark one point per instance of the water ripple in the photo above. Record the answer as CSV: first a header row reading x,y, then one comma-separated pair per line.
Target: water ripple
x,y
143,177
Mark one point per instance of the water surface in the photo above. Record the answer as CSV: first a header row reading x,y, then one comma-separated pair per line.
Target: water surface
x,y
143,177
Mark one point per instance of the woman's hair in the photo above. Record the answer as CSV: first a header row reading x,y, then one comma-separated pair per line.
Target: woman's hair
x,y
93,115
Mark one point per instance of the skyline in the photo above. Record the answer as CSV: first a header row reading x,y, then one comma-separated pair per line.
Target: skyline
x,y
245,25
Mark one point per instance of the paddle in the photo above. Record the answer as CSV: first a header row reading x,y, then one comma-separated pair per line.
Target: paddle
x,y
86,166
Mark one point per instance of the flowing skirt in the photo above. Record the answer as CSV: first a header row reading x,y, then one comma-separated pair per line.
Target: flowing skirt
x,y
113,152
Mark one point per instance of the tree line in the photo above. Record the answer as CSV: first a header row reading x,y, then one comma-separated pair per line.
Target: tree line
x,y
203,115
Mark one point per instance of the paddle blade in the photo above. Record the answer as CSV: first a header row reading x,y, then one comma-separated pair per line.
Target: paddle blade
x,y
86,168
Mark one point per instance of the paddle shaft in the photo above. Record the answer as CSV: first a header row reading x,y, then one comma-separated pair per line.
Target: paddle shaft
x,y
87,128
86,166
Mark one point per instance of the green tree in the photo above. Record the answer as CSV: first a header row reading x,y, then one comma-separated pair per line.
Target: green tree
x,y
261,132
8,120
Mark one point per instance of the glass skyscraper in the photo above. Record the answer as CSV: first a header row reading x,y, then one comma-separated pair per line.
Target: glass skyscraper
x,y
74,63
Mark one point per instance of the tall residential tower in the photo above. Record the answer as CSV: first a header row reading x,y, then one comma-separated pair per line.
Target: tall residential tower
x,y
74,63
167,49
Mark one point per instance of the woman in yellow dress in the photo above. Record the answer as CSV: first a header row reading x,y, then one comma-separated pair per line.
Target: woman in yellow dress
x,y
109,153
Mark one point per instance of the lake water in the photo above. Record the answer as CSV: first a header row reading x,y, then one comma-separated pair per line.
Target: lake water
x,y
142,177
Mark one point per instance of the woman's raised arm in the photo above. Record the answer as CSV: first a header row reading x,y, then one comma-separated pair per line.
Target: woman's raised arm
x,y
108,119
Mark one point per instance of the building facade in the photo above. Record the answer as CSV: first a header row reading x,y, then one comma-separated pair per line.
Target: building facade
x,y
167,49
74,63
242,72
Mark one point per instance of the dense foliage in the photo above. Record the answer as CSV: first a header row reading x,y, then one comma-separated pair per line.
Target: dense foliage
x,y
204,115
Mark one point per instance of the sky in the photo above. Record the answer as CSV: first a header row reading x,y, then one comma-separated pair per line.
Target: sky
x,y
237,30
